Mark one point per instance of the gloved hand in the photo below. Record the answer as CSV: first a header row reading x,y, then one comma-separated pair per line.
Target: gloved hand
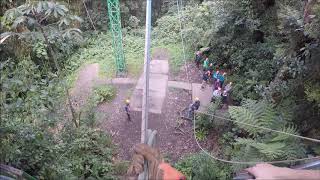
x,y
158,170
152,155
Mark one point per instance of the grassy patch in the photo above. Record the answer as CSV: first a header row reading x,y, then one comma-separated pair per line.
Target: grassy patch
x,y
99,50
176,55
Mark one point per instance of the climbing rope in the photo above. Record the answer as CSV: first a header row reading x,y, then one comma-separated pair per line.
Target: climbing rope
x,y
259,127
251,162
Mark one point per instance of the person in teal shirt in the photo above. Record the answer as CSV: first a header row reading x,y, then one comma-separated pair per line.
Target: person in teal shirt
x,y
221,78
206,64
216,75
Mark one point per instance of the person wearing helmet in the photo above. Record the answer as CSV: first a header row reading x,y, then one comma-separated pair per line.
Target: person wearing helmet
x,y
226,93
205,79
193,107
228,87
157,168
127,109
216,94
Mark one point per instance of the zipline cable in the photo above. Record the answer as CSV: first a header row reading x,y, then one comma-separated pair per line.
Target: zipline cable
x,y
259,127
250,162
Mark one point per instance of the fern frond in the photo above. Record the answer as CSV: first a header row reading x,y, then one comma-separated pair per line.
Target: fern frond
x,y
271,150
282,137
268,116
242,114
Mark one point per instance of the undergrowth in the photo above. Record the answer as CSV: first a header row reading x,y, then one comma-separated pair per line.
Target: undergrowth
x,y
104,93
176,59
99,50
199,166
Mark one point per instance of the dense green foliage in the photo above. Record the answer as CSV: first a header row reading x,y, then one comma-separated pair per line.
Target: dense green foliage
x,y
270,50
199,166
104,93
262,145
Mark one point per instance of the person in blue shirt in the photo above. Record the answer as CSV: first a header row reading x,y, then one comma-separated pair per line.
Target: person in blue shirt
x,y
221,78
215,76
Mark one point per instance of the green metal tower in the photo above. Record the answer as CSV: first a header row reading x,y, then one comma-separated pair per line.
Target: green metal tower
x,y
115,27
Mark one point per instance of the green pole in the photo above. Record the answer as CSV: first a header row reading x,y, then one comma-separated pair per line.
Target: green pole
x,y
115,27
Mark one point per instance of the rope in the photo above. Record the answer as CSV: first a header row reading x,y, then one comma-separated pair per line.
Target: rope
x,y
264,128
249,162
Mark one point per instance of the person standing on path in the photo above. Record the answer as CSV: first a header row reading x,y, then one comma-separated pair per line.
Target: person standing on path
x,y
222,78
193,107
206,64
216,84
127,109
198,58
205,78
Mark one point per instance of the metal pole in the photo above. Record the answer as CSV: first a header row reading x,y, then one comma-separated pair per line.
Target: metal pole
x,y
145,98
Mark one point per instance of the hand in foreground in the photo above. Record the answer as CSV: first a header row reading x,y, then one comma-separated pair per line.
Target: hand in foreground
x,y
152,155
270,172
157,168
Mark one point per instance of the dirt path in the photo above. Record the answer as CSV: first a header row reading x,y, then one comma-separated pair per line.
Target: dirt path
x,y
87,77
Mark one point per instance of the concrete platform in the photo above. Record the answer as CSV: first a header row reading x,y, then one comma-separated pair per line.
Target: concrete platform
x,y
158,84
180,85
159,67
204,95
121,81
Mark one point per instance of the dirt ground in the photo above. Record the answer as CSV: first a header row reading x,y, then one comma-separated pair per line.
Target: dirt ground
x,y
195,74
173,142
175,136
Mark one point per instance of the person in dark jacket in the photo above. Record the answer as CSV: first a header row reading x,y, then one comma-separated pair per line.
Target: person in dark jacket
x,y
198,58
127,109
205,78
193,107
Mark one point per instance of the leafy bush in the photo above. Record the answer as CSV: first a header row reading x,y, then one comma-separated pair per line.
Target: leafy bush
x,y
206,122
104,93
263,145
73,154
27,93
200,166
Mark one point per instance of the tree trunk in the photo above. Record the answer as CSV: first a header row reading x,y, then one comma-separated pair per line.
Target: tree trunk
x,y
53,58
50,50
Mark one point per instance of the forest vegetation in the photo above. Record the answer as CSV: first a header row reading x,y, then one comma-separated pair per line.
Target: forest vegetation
x,y
271,49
